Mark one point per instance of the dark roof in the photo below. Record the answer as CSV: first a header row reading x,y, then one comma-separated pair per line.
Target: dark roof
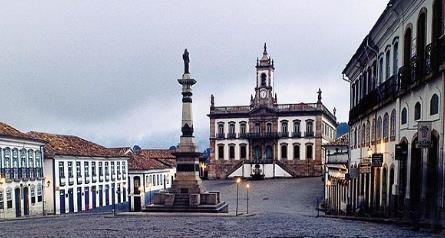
x,y
148,159
10,132
72,145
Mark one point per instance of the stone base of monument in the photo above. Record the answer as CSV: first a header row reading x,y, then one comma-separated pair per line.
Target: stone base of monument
x,y
208,202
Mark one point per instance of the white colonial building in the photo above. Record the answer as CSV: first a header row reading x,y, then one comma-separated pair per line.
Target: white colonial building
x,y
279,140
149,172
81,175
21,174
397,83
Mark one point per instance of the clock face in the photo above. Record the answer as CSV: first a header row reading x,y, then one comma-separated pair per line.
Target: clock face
x,y
263,94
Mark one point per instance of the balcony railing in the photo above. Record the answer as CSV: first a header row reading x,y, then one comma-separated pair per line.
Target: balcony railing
x,y
231,135
296,134
242,135
220,136
79,179
70,180
62,181
264,135
284,134
387,90
309,134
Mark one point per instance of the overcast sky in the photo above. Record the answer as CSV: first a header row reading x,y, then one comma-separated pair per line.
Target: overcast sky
x,y
106,70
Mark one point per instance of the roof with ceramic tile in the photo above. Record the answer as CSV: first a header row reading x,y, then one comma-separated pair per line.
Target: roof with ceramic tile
x,y
10,132
73,146
342,140
148,159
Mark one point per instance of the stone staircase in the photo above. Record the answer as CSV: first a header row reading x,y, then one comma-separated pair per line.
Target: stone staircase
x,y
181,200
286,168
235,167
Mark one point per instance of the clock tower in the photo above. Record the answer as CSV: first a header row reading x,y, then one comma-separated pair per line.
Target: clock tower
x,y
264,94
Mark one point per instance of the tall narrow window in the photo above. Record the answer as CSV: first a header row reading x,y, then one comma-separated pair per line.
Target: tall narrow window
x,y
86,168
297,132
33,194
438,11
392,126
385,126
220,130
296,151
309,151
232,130
434,105
379,128
263,79
421,38
284,151
269,127
242,128
368,133
381,70
284,129
243,151
257,127
78,170
220,151
9,198
231,152
39,193
373,130
388,64
2,203
417,111
395,58
7,155
309,128
404,116
407,47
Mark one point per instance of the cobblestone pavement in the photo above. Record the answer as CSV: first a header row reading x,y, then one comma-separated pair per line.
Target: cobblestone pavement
x,y
281,208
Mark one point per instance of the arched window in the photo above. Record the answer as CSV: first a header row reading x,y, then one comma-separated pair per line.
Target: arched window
x,y
392,133
368,132
379,129
417,111
257,127
371,83
363,139
30,159
309,128
395,57
297,132
309,151
269,127
283,151
284,127
388,63
404,116
220,130
438,12
385,126
407,47
373,130
434,105
243,128
263,79
296,151
421,40
231,130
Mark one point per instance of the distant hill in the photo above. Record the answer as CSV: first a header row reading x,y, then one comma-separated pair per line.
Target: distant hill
x,y
342,129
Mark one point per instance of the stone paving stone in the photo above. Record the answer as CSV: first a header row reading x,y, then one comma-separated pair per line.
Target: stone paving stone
x,y
283,208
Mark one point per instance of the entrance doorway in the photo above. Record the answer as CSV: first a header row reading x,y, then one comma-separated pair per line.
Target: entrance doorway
x,y
25,201
62,201
93,196
137,192
87,198
18,211
432,177
415,177
71,200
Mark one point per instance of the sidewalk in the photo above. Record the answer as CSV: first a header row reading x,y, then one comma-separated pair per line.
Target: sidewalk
x,y
177,214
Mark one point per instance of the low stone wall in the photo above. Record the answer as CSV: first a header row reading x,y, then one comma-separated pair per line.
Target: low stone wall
x,y
297,168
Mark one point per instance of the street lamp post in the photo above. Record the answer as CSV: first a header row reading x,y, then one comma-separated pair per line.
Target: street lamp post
x,y
247,193
238,181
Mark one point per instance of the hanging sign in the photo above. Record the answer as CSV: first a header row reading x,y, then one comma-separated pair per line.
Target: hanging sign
x,y
377,160
424,134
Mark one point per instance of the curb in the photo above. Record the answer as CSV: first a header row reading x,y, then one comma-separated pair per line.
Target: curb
x,y
166,214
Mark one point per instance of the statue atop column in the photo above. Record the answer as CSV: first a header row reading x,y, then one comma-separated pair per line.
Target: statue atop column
x,y
319,95
186,59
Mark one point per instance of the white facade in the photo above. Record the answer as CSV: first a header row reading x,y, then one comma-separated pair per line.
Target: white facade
x,y
402,37
21,180
143,184
84,183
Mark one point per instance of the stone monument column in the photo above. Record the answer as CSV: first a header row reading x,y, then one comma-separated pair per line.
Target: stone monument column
x,y
187,157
